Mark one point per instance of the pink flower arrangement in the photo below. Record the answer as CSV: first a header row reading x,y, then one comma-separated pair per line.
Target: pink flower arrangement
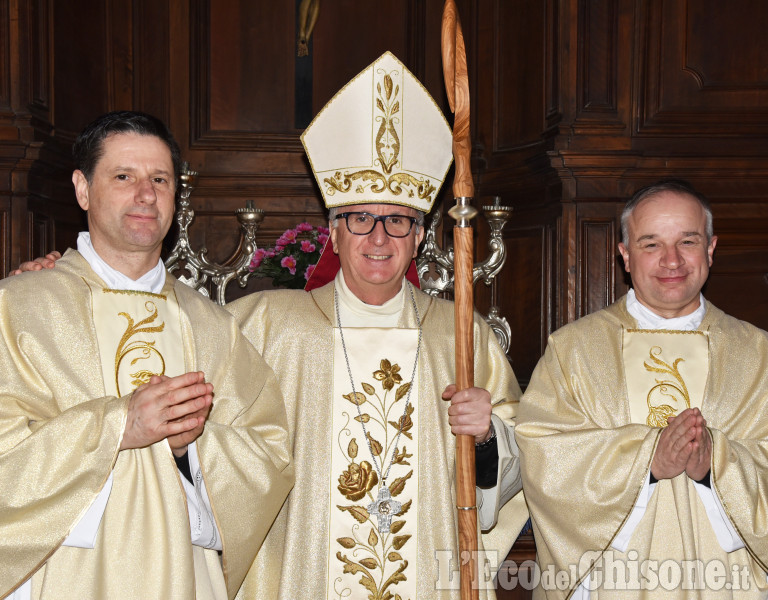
x,y
290,262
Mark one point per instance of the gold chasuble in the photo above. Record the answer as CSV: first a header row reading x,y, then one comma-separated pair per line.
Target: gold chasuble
x,y
325,543
71,353
587,429
373,545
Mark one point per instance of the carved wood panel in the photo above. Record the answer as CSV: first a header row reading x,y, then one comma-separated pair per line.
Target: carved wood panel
x,y
598,264
703,69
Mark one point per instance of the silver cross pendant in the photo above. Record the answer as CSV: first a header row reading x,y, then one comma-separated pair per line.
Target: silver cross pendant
x,y
384,508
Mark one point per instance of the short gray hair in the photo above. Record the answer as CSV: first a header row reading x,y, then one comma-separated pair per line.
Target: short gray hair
x,y
678,186
334,211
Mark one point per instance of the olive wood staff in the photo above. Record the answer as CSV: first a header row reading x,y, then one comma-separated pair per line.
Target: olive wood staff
x,y
457,89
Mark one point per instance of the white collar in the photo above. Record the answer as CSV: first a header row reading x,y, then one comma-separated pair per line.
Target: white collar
x,y
152,281
647,319
356,313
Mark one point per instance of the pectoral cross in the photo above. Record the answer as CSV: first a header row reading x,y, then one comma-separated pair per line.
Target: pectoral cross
x,y
384,508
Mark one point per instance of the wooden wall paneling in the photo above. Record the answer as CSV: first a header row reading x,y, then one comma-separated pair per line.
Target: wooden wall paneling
x,y
242,58
738,281
597,257
601,90
6,50
518,77
150,63
5,222
367,31
83,67
524,293
690,88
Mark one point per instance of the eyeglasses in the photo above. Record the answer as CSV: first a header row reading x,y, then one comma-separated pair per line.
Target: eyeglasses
x,y
362,223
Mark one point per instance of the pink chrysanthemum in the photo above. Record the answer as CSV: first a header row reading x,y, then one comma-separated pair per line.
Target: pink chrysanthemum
x,y
257,258
303,227
289,263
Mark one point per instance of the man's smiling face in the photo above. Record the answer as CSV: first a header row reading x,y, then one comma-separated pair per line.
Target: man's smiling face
x,y
374,265
667,253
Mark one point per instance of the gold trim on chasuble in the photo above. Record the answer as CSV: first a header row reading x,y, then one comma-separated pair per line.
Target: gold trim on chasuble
x,y
139,335
666,372
362,562
387,146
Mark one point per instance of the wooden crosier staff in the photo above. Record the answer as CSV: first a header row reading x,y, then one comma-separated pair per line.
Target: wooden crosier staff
x,y
457,88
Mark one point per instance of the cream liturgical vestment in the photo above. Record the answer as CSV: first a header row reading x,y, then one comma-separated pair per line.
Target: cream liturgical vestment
x,y
71,353
326,542
588,427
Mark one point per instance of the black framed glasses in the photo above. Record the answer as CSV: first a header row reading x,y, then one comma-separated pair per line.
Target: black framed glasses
x,y
362,223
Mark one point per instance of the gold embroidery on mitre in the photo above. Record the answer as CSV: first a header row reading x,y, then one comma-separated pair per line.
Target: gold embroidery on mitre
x,y
140,350
659,410
375,555
387,146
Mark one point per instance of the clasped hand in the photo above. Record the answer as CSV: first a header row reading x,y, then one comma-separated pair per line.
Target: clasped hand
x,y
684,445
172,408
470,412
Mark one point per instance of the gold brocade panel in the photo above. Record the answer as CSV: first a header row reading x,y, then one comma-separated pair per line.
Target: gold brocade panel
x,y
666,372
363,560
139,335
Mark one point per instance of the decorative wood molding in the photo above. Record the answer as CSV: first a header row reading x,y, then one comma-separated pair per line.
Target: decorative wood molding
x,y
597,264
685,88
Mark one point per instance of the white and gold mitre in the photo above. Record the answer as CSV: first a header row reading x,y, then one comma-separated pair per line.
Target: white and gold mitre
x,y
380,140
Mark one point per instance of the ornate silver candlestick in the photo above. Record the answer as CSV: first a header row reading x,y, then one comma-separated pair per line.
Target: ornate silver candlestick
x,y
435,265
207,277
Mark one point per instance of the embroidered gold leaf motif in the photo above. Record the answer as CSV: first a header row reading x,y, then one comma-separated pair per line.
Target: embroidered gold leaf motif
x,y
388,86
360,514
141,377
398,485
659,410
658,415
404,508
376,183
373,539
365,417
394,556
347,542
405,423
401,456
376,447
352,448
357,480
369,563
400,541
402,391
355,398
397,576
352,567
396,526
369,389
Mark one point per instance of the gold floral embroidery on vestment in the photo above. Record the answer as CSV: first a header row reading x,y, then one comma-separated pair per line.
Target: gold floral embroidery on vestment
x,y
387,146
665,390
367,552
140,350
